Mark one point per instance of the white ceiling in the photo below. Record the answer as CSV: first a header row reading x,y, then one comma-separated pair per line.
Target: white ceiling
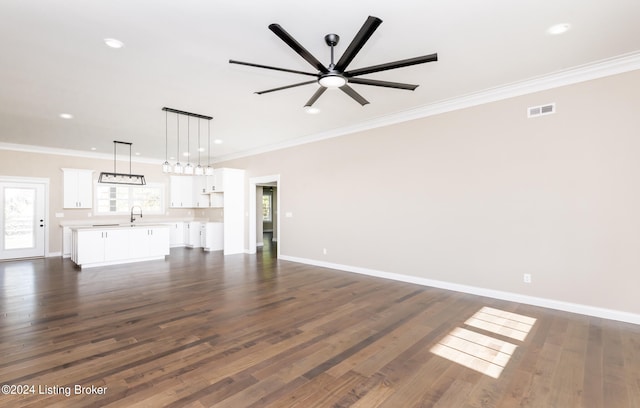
x,y
176,53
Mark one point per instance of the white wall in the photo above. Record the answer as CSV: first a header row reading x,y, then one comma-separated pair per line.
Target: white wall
x,y
480,196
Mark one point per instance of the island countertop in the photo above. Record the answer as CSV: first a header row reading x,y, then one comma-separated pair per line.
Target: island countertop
x,y
117,226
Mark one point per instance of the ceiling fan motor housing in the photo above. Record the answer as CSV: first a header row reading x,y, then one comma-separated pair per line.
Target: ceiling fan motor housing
x,y
332,39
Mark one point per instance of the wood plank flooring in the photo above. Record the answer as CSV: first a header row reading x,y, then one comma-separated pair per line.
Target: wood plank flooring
x,y
203,330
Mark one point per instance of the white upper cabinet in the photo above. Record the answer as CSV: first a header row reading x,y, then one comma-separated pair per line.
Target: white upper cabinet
x,y
215,183
207,191
200,194
77,188
181,192
188,192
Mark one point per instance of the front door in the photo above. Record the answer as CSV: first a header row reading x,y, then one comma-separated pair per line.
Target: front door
x,y
22,222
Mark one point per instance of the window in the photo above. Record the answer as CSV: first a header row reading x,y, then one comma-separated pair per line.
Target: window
x,y
266,207
111,199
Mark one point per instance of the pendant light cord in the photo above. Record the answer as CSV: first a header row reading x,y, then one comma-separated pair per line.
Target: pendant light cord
x,y
178,132
188,142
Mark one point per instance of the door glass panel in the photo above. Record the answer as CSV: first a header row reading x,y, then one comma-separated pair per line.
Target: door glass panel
x,y
19,218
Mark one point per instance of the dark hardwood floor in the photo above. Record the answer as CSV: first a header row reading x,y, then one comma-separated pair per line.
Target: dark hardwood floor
x,y
200,329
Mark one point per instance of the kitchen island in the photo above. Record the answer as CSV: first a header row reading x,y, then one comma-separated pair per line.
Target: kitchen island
x,y
101,245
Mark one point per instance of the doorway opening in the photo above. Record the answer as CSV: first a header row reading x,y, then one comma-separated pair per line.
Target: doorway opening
x,y
266,220
264,216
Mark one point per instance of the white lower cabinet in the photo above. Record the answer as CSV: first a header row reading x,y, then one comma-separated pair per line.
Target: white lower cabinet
x,y
159,242
97,246
149,242
176,234
193,234
213,236
66,242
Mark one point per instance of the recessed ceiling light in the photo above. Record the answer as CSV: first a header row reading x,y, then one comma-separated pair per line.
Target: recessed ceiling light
x,y
201,149
93,148
559,29
311,110
66,116
185,154
113,43
137,153
217,141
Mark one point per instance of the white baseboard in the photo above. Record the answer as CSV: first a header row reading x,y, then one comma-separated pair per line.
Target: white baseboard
x,y
53,254
496,294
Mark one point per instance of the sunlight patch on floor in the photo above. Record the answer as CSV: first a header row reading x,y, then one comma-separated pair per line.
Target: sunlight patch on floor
x,y
513,325
480,352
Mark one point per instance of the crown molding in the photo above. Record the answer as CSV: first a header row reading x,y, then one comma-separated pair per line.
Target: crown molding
x,y
74,153
587,72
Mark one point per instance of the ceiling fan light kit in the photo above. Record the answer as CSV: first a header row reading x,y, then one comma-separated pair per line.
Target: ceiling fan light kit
x,y
336,75
332,81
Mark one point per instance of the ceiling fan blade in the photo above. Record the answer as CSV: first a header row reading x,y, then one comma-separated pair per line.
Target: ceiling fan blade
x,y
393,65
250,64
297,47
286,87
358,41
315,96
386,84
356,96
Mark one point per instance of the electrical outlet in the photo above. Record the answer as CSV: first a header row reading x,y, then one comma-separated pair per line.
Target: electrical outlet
x,y
527,278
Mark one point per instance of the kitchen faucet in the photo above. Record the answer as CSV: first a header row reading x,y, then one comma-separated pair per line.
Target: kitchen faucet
x,y
132,213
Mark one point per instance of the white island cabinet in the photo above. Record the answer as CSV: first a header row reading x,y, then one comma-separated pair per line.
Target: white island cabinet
x,y
149,242
98,246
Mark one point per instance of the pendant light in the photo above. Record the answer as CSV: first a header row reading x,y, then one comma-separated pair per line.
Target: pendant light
x,y
188,169
166,167
178,169
121,178
209,170
199,171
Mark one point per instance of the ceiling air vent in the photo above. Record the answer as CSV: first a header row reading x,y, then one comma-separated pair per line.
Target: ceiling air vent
x,y
547,109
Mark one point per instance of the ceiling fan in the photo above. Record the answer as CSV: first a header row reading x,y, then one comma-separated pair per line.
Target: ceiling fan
x,y
336,75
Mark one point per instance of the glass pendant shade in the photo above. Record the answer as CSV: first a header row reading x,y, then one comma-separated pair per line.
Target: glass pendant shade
x,y
208,171
166,167
188,169
199,171
178,169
